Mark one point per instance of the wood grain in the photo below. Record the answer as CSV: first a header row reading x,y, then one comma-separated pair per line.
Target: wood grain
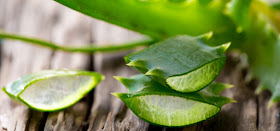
x,y
108,112
19,18
76,32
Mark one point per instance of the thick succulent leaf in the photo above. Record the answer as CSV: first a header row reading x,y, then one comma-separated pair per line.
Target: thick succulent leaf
x,y
16,87
184,63
161,18
160,105
262,44
52,90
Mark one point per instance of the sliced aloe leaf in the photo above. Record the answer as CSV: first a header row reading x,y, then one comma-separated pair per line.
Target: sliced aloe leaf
x,y
52,90
184,63
163,106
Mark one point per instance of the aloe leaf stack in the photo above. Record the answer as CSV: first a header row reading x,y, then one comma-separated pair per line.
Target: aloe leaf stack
x,y
183,63
176,87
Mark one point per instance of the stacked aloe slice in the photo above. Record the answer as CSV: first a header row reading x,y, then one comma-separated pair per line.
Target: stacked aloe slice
x,y
176,87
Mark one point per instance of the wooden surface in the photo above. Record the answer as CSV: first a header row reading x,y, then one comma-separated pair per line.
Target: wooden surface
x,y
99,110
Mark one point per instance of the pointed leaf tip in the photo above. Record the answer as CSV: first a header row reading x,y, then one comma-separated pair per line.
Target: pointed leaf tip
x,y
116,94
153,72
230,100
103,77
206,37
134,63
224,47
228,86
124,81
118,78
270,103
130,64
233,101
259,89
209,35
219,87
274,99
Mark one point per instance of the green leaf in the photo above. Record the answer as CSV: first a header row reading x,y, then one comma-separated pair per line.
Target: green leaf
x,y
52,90
160,105
184,63
161,18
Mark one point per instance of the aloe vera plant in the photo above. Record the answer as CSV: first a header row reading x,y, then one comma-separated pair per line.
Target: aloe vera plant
x,y
180,61
248,24
184,63
163,106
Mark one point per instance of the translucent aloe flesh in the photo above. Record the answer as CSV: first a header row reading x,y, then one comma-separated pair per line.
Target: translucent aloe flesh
x,y
160,105
54,89
184,63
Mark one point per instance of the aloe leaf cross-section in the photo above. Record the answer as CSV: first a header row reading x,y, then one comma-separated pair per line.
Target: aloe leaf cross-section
x,y
52,90
166,107
184,63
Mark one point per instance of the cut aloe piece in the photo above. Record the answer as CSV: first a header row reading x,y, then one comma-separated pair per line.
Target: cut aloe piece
x,y
184,63
52,90
163,106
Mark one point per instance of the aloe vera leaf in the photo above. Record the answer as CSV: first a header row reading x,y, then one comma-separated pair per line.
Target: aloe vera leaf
x,y
161,18
159,105
261,42
184,63
52,90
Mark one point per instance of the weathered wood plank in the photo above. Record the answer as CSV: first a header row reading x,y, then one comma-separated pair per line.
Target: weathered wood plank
x,y
2,13
268,118
108,112
28,19
71,28
58,28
